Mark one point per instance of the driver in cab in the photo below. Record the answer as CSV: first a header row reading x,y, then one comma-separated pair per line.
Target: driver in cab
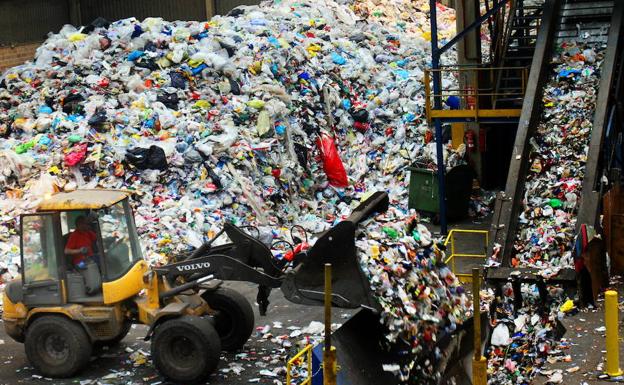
x,y
80,243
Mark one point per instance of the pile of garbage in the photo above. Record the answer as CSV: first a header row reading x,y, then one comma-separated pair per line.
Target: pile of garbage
x,y
558,155
274,115
421,299
523,339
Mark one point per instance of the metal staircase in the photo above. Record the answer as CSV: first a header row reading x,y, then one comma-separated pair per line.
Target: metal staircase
x,y
517,53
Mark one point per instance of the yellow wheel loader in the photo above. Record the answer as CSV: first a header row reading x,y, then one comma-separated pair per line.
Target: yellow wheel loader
x,y
59,308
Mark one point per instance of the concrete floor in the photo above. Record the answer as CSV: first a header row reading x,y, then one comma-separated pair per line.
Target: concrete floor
x,y
587,347
116,363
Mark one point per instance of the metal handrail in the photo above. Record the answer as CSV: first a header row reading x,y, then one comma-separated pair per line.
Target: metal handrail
x,y
475,93
473,68
464,277
295,361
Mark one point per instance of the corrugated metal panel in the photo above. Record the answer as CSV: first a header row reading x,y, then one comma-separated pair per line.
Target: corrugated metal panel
x,y
224,6
23,21
121,9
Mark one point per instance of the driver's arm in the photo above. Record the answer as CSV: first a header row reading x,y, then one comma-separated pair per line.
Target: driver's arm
x,y
70,247
82,250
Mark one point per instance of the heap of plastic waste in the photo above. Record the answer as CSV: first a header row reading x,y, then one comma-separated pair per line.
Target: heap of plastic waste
x,y
274,115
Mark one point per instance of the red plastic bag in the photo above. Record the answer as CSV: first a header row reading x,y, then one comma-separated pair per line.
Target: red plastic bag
x,y
77,155
332,164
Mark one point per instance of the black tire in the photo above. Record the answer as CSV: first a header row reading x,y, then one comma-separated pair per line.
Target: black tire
x,y
56,346
125,329
186,350
234,318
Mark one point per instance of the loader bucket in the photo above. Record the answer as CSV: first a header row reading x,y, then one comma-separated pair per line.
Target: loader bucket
x,y
361,360
350,287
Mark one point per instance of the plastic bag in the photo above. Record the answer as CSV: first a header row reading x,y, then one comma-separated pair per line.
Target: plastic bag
x,y
77,155
332,164
500,335
147,158
45,185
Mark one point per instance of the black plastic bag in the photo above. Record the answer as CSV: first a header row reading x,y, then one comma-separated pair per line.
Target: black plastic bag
x,y
99,22
231,50
234,87
169,100
236,12
359,115
302,155
150,64
152,158
177,80
71,103
98,120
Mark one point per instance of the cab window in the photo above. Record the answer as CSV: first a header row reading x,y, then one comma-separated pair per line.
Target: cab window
x,y
39,250
119,239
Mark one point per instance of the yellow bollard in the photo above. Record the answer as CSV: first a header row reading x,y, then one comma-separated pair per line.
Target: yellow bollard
x,y
611,323
330,367
479,363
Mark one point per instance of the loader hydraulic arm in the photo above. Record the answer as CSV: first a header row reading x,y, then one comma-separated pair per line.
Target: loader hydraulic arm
x,y
220,266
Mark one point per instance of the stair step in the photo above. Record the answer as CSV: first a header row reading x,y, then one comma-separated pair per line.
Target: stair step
x,y
509,100
530,17
509,87
519,27
517,58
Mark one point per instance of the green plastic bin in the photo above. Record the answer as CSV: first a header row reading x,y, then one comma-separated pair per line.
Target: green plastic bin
x,y
423,190
424,196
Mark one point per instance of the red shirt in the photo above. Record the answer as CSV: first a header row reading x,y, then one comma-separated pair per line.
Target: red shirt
x,y
79,239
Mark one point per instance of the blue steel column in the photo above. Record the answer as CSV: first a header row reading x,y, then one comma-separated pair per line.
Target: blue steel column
x,y
437,103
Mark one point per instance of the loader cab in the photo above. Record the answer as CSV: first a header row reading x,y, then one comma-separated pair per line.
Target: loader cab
x,y
51,276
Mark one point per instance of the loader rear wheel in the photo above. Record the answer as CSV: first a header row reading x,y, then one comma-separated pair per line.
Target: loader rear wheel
x,y
57,346
186,350
234,318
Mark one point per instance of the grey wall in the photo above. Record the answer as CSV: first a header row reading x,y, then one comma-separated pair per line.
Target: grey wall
x,y
25,21
224,6
121,9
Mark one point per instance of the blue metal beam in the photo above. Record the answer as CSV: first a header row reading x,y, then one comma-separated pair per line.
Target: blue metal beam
x,y
436,52
437,102
469,28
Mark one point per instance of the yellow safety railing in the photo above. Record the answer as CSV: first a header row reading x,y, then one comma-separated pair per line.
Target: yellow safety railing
x,y
476,101
464,277
304,356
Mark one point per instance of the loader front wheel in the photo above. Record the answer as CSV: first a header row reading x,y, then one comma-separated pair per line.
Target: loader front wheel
x,y
56,346
186,350
234,318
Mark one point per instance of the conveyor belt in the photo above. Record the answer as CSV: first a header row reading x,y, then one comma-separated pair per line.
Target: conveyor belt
x,y
563,20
